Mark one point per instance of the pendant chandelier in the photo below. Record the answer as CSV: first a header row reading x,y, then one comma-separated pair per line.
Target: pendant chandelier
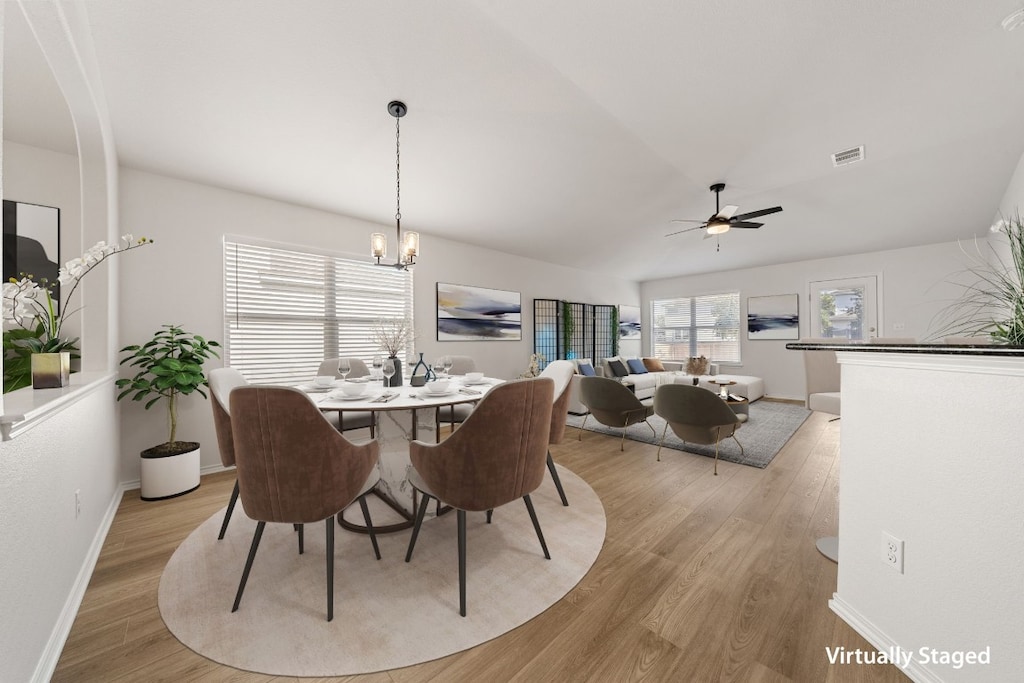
x,y
409,244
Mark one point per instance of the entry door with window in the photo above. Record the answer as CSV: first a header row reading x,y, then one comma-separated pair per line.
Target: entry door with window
x,y
844,309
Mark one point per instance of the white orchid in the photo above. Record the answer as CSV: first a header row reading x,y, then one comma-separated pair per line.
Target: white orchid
x,y
28,304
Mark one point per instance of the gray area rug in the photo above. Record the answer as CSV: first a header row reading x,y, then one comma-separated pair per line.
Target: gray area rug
x,y
387,614
770,426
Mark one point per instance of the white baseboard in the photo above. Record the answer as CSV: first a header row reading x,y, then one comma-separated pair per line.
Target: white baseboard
x,y
55,645
882,642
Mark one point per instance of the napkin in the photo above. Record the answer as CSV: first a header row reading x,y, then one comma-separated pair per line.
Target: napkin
x,y
384,398
471,392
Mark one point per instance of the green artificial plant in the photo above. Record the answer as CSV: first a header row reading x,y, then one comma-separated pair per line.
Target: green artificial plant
x,y
169,364
992,301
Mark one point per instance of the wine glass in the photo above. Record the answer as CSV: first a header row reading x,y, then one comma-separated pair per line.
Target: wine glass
x,y
389,371
438,368
344,367
447,360
377,364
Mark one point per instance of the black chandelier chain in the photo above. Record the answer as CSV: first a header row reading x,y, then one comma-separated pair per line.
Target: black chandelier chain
x,y
398,170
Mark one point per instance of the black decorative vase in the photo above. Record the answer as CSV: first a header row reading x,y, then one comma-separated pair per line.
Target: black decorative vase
x,y
396,379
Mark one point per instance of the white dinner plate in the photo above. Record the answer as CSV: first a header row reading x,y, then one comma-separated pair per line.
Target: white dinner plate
x,y
475,384
432,394
346,397
314,388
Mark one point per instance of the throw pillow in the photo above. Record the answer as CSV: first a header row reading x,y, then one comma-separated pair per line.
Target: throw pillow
x,y
618,369
586,369
653,365
636,366
697,366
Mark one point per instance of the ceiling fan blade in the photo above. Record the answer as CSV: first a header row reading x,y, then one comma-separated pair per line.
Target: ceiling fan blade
x,y
686,220
677,232
708,235
745,224
755,214
727,211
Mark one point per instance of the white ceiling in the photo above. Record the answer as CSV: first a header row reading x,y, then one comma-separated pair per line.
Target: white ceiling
x,y
574,131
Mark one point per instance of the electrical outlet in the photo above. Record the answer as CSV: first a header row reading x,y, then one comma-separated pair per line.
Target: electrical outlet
x,y
892,551
78,502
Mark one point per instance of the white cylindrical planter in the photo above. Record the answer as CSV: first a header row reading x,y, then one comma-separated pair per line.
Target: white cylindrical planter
x,y
166,475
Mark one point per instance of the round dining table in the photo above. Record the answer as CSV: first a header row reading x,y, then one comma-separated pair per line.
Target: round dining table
x,y
401,415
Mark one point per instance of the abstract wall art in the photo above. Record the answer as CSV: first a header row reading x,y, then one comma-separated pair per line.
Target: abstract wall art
x,y
773,317
466,313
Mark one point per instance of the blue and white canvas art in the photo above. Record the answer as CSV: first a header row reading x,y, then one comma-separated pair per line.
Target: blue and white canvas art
x,y
773,317
629,322
467,313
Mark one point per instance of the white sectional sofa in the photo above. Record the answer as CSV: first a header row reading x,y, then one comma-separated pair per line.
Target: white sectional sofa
x,y
645,384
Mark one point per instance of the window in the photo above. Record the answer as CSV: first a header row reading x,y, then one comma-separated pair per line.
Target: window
x,y
286,308
706,325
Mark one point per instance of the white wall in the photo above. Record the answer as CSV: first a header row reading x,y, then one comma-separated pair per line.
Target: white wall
x,y
913,291
941,472
180,280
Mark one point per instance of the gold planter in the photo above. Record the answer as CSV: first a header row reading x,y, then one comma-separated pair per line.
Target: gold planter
x,y
51,370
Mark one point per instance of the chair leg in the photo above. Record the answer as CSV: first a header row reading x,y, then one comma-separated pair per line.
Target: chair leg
x,y
416,526
558,482
330,567
584,424
653,430
369,525
622,442
302,547
536,526
227,515
489,513
660,443
248,563
738,443
461,515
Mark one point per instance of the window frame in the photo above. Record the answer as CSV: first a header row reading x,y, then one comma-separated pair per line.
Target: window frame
x,y
692,330
330,289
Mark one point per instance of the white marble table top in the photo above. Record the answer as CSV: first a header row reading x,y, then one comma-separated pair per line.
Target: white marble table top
x,y
406,397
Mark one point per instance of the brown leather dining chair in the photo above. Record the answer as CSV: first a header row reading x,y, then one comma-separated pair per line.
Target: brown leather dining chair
x,y
222,381
497,456
294,467
347,420
561,372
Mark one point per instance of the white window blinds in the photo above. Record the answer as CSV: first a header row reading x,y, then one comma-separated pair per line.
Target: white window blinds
x,y
287,308
707,325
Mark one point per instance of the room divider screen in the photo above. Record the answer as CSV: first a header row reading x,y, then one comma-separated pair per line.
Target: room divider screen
x,y
570,329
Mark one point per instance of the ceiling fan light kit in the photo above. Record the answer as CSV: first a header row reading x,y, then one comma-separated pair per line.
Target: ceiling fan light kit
x,y
725,219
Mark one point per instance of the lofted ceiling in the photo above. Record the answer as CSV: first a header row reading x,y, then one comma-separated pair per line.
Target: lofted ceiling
x,y
573,131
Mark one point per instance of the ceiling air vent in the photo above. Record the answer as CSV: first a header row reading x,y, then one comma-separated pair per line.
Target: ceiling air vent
x,y
848,156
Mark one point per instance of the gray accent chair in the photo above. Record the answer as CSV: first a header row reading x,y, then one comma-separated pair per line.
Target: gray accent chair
x,y
613,405
457,413
562,372
346,420
330,367
822,375
222,381
696,415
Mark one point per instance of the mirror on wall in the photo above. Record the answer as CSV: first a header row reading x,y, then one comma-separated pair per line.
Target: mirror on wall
x,y
31,244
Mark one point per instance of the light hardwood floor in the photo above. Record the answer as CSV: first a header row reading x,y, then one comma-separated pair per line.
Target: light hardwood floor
x,y
701,578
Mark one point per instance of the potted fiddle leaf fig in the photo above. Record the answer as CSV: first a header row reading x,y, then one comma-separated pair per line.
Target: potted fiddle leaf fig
x,y
170,365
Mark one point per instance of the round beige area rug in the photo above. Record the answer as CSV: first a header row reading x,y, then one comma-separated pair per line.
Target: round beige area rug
x,y
387,614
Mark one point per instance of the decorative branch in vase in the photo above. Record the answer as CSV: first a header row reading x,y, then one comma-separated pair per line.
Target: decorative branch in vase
x,y
393,335
32,324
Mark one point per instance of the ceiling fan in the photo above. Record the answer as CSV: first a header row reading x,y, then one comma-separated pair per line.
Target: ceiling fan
x,y
724,219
